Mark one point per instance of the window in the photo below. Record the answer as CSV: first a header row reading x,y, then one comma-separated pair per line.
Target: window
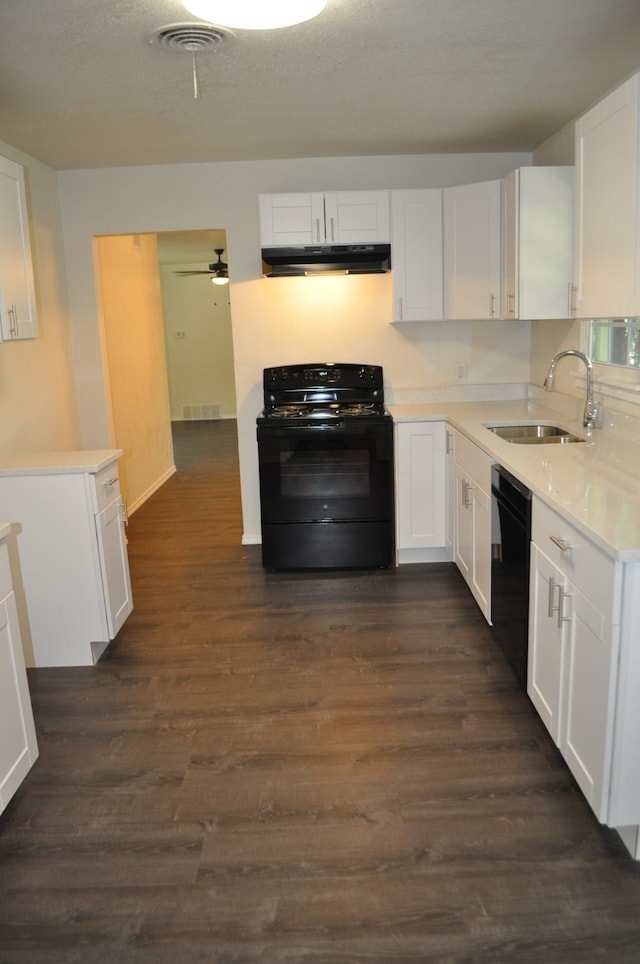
x,y
616,341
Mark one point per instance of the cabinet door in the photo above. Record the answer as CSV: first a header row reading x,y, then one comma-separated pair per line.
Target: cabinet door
x,y
463,525
18,315
416,242
420,484
354,217
545,242
588,698
114,564
287,219
510,232
607,253
472,250
537,256
339,217
481,583
18,746
451,491
545,658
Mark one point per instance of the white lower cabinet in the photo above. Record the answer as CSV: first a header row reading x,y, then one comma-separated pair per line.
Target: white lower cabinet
x,y
580,673
18,744
472,524
420,491
69,552
571,674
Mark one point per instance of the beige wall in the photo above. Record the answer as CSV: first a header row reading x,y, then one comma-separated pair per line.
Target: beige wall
x,y
199,341
38,406
134,353
345,319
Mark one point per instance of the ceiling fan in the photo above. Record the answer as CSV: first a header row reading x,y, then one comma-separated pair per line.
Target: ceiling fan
x,y
218,270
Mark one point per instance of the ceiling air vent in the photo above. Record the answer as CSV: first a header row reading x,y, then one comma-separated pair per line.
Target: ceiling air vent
x,y
190,37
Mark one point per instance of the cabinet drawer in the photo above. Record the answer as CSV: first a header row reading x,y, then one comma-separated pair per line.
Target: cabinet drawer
x,y
106,486
587,566
474,461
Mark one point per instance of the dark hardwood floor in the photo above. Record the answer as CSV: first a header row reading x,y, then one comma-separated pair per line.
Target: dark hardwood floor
x,y
308,767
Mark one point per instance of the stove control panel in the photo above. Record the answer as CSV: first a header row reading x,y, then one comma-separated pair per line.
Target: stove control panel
x,y
320,376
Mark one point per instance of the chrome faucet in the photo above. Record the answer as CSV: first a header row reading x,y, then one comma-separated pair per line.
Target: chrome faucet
x,y
591,408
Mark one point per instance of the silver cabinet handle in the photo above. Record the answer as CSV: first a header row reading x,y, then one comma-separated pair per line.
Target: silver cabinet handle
x,y
561,599
111,482
573,300
467,494
333,233
400,306
492,305
124,511
12,312
553,585
318,238
560,543
511,304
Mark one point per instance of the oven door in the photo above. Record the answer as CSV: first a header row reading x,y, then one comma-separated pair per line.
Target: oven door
x,y
334,472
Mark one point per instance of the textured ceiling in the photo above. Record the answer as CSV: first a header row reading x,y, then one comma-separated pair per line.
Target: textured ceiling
x,y
82,85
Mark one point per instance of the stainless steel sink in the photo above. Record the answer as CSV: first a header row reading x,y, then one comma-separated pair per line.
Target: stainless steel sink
x,y
534,433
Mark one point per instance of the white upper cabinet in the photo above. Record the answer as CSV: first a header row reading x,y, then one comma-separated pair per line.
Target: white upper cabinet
x,y
337,217
607,266
472,250
416,245
18,317
538,214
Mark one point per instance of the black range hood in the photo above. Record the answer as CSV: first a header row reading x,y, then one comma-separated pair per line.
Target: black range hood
x,y
310,259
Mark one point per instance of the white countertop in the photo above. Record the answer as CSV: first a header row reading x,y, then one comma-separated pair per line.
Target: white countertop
x,y
595,483
57,463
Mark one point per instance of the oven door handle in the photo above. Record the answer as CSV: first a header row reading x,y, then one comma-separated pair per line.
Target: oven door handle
x,y
346,426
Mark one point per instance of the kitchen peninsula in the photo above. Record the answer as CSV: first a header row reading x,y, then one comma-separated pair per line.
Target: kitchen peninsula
x,y
68,552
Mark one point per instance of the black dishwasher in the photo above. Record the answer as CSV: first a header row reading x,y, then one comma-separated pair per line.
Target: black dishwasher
x,y
510,550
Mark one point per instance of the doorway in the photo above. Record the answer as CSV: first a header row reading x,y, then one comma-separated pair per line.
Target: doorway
x,y
197,327
135,353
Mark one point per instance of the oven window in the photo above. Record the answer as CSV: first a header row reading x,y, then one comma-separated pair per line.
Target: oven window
x,y
313,469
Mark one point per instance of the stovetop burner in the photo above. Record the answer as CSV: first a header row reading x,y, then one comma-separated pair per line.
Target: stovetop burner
x,y
287,411
322,410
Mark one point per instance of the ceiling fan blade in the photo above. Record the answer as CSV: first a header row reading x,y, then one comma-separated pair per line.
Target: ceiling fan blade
x,y
218,268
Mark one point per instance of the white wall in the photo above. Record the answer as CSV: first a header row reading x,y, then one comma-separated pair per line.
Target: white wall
x,y
339,319
38,408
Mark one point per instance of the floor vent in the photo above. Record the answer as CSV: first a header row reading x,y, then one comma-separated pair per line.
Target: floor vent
x,y
199,413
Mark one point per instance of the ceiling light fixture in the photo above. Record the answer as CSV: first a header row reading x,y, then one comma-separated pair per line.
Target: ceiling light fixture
x,y
255,14
219,270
